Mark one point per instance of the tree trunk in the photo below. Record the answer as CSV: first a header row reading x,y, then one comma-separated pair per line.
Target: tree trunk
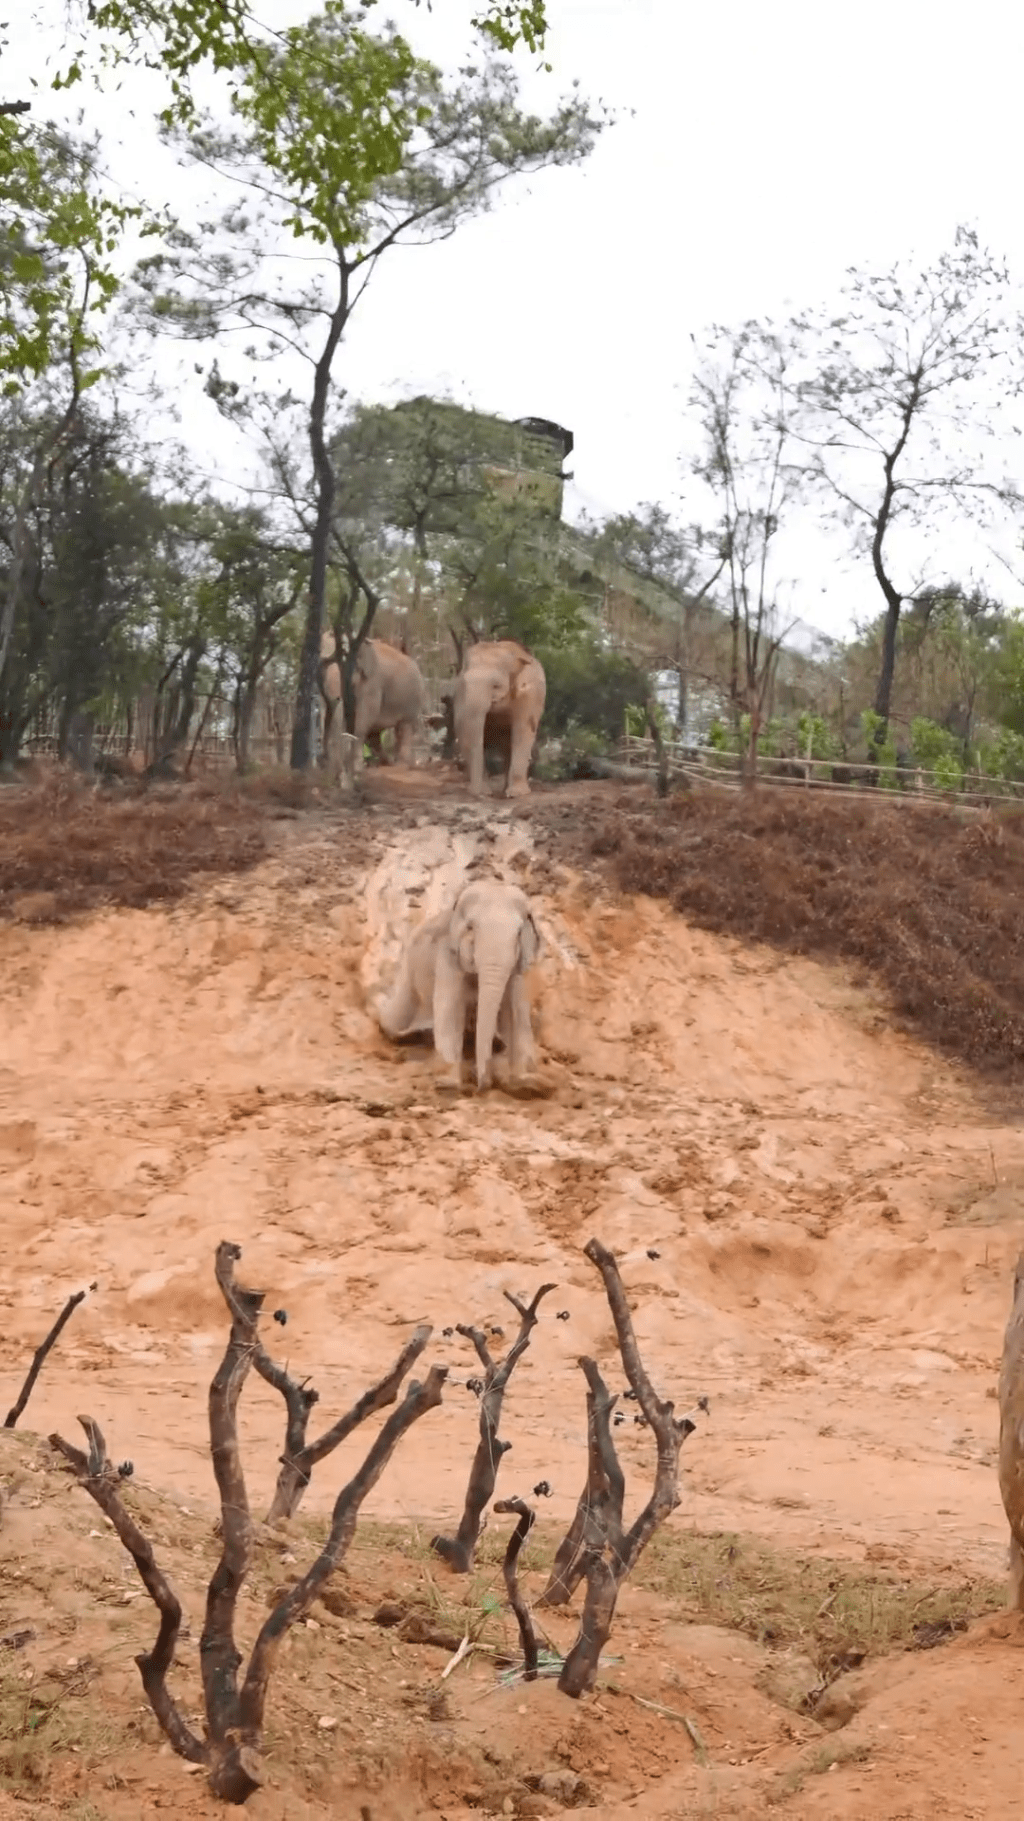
x,y
309,661
246,709
750,771
883,694
81,730
11,731
22,542
64,729
893,599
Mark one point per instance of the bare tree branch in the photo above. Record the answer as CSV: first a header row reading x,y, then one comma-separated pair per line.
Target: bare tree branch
x,y
598,1518
300,1456
96,1474
607,1555
458,1551
234,1766
417,1401
515,1599
40,1354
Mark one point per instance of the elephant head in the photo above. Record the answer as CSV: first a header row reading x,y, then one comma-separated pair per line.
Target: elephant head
x,y
493,938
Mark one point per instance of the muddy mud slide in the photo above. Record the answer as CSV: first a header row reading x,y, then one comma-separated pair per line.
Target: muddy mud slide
x,y
817,1220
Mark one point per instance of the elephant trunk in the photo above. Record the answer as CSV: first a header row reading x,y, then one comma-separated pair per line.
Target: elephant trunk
x,y
492,979
470,721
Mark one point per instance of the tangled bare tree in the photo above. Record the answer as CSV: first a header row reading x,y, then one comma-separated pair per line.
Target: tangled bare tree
x,y
231,1750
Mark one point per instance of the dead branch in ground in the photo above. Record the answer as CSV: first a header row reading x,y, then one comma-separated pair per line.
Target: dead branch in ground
x,y
509,1569
40,1355
458,1550
605,1554
101,1482
234,1717
417,1401
300,1457
234,1770
1011,1435
604,1484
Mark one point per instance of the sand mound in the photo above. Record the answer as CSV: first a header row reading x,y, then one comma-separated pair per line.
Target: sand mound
x,y
834,1214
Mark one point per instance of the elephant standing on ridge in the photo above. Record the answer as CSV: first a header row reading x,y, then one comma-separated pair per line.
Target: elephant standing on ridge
x,y
389,692
499,692
486,940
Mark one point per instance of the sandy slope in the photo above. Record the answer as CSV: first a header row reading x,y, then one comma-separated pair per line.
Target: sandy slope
x,y
835,1215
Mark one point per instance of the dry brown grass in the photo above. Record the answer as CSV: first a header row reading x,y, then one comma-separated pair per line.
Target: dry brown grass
x,y
66,848
834,1611
928,899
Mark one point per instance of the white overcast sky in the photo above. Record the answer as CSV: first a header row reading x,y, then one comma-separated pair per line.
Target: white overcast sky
x,y
771,146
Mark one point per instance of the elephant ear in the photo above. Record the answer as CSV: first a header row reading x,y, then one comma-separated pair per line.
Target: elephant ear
x,y
530,943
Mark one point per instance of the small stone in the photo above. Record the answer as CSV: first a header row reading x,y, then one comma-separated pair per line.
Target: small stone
x,y
561,1784
326,1722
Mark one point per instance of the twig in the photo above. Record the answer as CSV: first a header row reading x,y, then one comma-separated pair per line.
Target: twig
x,y
515,1599
40,1355
463,1651
300,1456
458,1550
672,1713
96,1474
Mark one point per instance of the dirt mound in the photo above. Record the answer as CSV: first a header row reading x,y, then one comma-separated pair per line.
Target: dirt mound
x,y
817,1220
929,901
708,1694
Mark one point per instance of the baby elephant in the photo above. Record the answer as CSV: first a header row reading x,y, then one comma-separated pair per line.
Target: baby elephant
x,y
486,941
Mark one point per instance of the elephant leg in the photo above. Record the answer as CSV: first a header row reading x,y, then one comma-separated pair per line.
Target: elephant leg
x,y
449,1015
523,735
364,725
470,732
522,1056
403,743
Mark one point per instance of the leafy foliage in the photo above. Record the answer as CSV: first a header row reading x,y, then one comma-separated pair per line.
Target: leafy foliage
x,y
592,689
178,37
889,393
57,239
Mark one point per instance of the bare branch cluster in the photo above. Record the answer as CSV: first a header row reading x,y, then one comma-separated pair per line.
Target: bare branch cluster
x,y
234,1708
458,1550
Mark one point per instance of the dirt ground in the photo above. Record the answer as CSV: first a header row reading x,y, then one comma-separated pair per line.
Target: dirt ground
x,y
834,1211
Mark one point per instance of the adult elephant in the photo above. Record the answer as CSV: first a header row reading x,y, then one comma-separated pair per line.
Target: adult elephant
x,y
498,698
483,945
388,690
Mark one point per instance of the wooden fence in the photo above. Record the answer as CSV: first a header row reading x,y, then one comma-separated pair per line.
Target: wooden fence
x,y
905,784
